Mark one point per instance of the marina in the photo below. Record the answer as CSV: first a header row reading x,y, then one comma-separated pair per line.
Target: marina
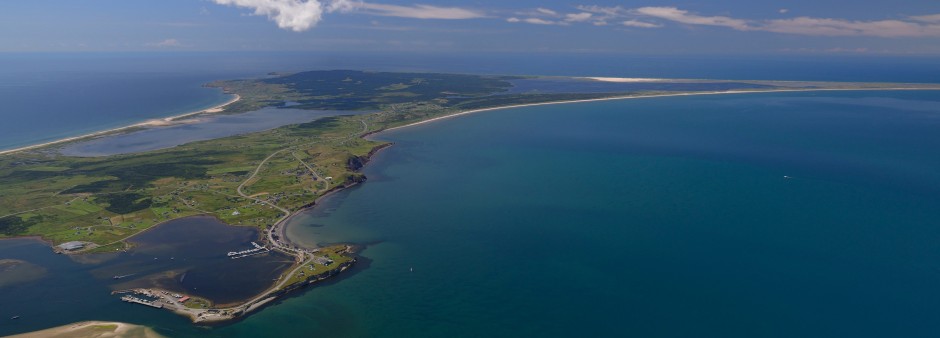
x,y
258,249
132,299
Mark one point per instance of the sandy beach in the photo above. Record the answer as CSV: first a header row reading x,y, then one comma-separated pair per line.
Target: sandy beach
x,y
644,97
150,123
93,330
626,79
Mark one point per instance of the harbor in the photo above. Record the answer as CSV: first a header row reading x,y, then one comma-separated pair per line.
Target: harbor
x,y
141,301
313,267
258,249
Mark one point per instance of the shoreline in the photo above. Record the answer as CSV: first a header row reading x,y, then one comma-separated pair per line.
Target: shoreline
x,y
149,123
642,96
93,329
280,227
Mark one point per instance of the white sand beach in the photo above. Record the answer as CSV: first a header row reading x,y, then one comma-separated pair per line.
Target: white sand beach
x,y
93,330
150,123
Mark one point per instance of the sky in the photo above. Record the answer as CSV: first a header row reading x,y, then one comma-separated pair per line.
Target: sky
x,y
869,27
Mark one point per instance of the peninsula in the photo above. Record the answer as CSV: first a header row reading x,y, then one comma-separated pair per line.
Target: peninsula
x,y
95,204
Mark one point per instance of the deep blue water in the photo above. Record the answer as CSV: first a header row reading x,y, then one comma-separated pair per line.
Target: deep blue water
x,y
666,217
44,106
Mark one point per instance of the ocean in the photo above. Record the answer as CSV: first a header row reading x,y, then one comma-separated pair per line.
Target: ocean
x,y
773,215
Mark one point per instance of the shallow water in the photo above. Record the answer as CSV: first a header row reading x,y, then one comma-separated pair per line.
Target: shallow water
x,y
194,249
187,255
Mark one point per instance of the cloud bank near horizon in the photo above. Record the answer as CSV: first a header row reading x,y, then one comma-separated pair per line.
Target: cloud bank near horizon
x,y
302,15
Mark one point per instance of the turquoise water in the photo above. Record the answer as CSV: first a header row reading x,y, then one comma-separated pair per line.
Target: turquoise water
x,y
664,217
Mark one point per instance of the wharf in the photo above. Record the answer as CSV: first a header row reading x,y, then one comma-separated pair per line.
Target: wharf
x,y
258,249
132,299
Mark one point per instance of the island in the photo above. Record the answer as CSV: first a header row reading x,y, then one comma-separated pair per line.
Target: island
x,y
87,205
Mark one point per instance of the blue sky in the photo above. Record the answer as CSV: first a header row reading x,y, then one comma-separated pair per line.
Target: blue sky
x,y
871,27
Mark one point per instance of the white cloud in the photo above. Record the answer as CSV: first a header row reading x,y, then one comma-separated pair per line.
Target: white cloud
x,y
640,24
783,11
609,12
928,25
301,15
342,6
513,19
934,18
546,11
847,50
681,16
578,17
165,43
420,11
295,15
537,21
838,27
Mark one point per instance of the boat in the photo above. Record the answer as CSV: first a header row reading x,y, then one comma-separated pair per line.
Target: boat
x,y
14,317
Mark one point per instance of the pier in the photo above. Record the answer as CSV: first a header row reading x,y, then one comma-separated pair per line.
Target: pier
x,y
258,249
150,303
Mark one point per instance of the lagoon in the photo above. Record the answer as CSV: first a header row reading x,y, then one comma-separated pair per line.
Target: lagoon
x,y
195,129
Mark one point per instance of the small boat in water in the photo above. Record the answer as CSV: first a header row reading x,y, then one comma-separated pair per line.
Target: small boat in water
x,y
14,317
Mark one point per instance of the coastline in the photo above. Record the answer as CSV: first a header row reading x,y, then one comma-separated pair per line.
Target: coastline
x,y
757,91
280,226
93,329
150,123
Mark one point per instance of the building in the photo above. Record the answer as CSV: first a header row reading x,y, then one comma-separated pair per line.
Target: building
x,y
73,245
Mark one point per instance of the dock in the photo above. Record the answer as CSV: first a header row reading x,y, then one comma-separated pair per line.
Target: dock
x,y
132,299
258,249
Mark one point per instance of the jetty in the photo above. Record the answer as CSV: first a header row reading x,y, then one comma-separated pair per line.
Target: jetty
x,y
258,249
150,303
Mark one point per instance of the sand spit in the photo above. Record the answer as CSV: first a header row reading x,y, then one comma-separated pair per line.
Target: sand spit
x,y
93,330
